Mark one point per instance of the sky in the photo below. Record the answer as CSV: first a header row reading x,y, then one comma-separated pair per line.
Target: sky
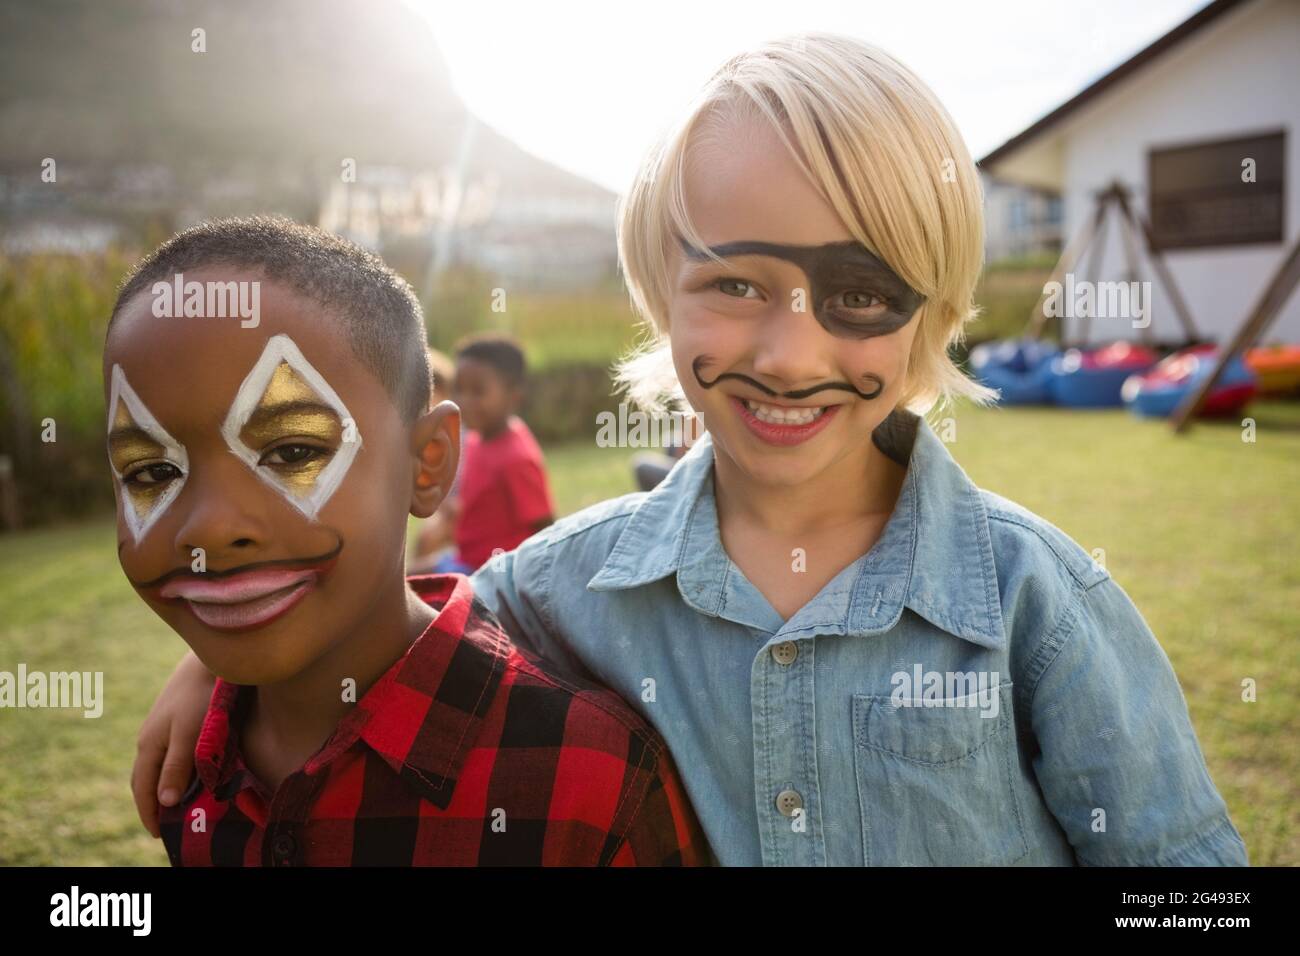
x,y
590,85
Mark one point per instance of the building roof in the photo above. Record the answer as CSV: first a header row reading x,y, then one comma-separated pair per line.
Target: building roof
x,y
1198,21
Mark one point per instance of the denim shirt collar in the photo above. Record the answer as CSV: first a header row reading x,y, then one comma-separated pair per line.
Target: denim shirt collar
x,y
935,555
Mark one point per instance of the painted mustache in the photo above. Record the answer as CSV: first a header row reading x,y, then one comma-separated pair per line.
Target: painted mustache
x,y
266,569
703,361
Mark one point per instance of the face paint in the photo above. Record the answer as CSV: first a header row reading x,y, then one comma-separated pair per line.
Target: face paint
x,y
284,397
149,464
289,407
321,562
840,275
702,362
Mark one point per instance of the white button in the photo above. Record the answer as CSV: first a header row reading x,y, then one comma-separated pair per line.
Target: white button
x,y
785,653
788,801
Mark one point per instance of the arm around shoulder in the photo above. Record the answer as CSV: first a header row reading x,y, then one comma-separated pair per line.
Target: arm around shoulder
x,y
516,587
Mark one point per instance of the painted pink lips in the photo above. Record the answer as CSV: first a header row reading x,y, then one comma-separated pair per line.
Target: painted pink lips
x,y
242,601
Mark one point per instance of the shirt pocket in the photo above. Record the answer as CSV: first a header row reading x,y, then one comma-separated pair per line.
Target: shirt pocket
x,y
935,783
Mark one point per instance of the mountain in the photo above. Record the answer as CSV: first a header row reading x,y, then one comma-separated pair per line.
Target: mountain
x,y
143,126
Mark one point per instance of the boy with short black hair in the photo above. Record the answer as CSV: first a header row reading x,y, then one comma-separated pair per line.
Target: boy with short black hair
x,y
503,495
264,473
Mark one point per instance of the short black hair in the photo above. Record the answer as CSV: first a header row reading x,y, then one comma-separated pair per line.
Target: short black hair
x,y
497,351
378,310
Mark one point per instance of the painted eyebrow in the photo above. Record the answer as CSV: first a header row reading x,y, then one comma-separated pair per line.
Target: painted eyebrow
x,y
865,268
728,250
773,250
265,413
124,433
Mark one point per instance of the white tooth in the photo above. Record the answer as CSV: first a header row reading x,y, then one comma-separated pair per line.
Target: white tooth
x,y
777,415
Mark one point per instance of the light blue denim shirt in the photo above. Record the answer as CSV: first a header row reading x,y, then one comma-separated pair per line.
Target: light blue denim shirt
x,y
973,690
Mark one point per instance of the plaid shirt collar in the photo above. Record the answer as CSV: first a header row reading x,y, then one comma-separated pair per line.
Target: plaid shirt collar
x,y
422,716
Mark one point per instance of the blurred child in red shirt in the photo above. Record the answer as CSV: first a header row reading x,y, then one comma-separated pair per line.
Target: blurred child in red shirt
x,y
502,495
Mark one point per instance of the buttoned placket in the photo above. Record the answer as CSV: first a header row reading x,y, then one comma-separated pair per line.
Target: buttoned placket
x,y
864,597
782,693
787,790
287,810
283,843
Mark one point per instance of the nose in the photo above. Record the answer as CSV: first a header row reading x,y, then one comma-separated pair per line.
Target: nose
x,y
792,347
221,514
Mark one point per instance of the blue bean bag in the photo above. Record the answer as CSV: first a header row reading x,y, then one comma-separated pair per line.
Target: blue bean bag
x,y
1093,378
1155,394
1018,368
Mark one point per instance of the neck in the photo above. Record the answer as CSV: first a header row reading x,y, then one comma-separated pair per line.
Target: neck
x,y
488,432
862,484
297,715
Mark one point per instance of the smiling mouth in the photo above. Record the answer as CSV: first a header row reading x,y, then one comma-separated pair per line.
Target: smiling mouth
x,y
784,414
782,425
243,601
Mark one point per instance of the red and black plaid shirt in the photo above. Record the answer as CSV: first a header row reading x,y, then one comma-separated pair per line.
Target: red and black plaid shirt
x,y
466,752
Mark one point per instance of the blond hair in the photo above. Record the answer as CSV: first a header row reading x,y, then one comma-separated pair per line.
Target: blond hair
x,y
883,152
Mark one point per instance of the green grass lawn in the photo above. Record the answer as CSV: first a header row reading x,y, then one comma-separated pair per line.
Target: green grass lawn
x,y
1200,530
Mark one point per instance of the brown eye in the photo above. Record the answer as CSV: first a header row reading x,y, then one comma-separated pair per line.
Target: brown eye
x,y
155,474
292,455
860,300
737,288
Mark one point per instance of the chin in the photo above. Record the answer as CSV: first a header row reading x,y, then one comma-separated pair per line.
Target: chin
x,y
246,667
782,467
254,657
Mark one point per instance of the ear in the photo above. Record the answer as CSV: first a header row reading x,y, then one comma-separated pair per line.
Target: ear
x,y
435,446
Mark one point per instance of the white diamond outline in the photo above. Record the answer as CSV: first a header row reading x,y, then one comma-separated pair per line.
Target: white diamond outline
x,y
281,348
122,392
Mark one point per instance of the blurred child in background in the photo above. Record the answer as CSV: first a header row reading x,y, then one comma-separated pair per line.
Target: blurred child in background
x,y
502,496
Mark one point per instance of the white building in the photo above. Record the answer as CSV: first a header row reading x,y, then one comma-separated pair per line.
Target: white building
x,y
1019,221
1200,127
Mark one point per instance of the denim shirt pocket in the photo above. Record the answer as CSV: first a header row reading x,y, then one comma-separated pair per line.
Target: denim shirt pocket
x,y
936,784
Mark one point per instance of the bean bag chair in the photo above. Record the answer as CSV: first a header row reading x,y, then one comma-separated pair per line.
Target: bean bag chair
x,y
1156,393
1277,368
1019,368
1093,378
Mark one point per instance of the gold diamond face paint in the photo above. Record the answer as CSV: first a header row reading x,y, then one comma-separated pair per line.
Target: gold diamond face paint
x,y
290,411
291,428
150,466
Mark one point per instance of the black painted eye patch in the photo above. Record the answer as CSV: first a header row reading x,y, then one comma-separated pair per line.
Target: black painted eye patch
x,y
832,270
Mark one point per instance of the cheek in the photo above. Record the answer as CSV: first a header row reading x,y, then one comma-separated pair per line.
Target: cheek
x,y
146,559
363,504
696,330
886,355
691,321
154,552
901,356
